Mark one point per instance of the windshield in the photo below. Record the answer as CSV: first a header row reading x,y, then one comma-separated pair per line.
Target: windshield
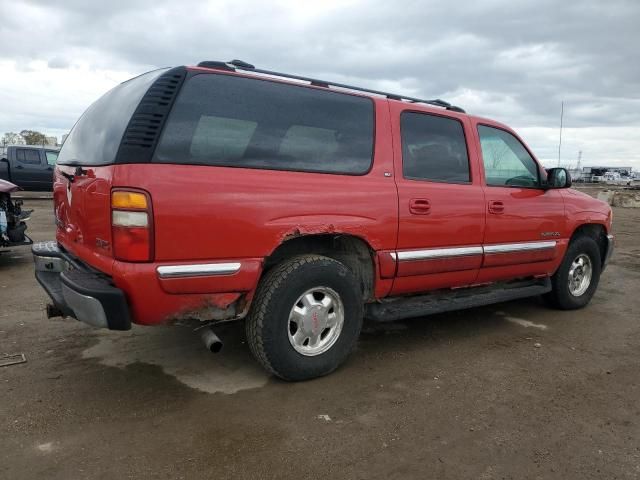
x,y
96,136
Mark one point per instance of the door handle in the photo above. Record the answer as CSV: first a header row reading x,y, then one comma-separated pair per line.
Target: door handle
x,y
419,206
19,167
496,207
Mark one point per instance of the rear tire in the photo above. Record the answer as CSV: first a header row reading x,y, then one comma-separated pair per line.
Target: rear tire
x,y
305,318
576,280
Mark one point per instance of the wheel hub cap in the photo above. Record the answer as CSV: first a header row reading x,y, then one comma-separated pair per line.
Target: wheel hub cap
x,y
315,321
580,275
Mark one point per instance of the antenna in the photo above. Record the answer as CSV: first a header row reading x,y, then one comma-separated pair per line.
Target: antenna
x,y
560,142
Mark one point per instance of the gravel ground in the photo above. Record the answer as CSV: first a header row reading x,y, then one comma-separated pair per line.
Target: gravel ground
x,y
509,391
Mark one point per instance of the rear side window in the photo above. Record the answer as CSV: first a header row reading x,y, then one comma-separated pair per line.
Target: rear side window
x,y
240,122
28,156
433,148
96,136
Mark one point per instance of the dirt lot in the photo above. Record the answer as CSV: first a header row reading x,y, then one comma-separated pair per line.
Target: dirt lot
x,y
510,391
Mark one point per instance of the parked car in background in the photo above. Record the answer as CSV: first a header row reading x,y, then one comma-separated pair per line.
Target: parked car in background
x,y
28,166
224,192
12,218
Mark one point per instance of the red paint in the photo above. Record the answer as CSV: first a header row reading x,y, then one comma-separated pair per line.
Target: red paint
x,y
211,214
439,265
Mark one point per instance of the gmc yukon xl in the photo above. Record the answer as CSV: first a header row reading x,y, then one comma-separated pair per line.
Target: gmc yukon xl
x,y
222,192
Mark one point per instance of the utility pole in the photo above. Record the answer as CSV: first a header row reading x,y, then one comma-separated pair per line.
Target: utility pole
x,y
560,142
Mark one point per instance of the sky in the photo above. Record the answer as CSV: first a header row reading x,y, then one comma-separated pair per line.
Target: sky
x,y
514,61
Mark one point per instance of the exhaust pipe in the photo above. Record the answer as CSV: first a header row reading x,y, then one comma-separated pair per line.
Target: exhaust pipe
x,y
53,311
211,340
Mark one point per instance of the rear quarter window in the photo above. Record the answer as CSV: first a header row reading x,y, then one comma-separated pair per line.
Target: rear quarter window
x,y
240,122
96,136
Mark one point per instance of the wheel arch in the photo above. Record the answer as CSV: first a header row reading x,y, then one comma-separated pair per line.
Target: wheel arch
x,y
353,251
598,232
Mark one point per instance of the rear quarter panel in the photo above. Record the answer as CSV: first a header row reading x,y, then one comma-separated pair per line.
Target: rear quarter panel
x,y
208,213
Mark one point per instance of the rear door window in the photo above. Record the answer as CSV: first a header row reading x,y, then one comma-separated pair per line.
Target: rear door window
x,y
434,148
240,122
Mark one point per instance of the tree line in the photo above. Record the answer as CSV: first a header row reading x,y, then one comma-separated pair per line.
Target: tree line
x,y
25,137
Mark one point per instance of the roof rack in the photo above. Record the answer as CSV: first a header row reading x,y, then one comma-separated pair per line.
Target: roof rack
x,y
240,65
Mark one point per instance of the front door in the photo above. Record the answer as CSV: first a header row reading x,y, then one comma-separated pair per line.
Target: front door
x,y
28,168
441,202
525,229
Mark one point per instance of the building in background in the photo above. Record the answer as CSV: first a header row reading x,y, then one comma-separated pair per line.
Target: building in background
x,y
603,173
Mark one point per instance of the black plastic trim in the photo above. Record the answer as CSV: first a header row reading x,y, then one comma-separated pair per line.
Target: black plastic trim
x,y
449,300
217,65
111,298
145,126
86,281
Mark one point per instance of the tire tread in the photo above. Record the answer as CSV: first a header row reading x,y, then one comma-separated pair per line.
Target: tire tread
x,y
266,289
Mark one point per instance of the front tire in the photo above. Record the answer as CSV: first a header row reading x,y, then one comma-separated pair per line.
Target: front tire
x,y
305,318
576,280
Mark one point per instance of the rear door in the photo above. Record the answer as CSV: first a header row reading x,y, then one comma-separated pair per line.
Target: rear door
x,y
441,201
526,227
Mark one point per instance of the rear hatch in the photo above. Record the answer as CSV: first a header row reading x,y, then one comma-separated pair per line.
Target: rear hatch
x,y
88,163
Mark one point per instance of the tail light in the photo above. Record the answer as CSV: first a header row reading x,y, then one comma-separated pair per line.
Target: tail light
x,y
131,226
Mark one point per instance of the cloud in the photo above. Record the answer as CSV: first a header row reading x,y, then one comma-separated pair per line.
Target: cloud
x,y
512,61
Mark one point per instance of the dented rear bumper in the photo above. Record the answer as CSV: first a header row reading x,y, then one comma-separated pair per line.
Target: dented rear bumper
x,y
78,291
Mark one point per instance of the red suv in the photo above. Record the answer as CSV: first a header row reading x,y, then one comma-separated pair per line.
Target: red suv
x,y
221,192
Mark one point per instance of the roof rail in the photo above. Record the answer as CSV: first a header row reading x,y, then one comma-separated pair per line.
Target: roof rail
x,y
240,65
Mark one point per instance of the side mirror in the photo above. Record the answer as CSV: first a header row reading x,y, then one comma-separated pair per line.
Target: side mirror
x,y
558,178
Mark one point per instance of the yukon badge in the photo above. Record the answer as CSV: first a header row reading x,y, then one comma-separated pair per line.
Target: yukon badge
x,y
549,234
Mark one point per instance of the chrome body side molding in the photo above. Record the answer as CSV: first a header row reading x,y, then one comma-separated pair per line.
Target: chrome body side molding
x,y
412,255
437,253
199,270
519,247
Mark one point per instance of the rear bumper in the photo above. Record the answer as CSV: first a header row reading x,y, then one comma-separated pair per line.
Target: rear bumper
x,y
145,293
78,291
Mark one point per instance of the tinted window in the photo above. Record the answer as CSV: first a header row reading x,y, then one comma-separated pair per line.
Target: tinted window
x,y
221,137
506,161
433,148
51,157
240,122
32,157
96,136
